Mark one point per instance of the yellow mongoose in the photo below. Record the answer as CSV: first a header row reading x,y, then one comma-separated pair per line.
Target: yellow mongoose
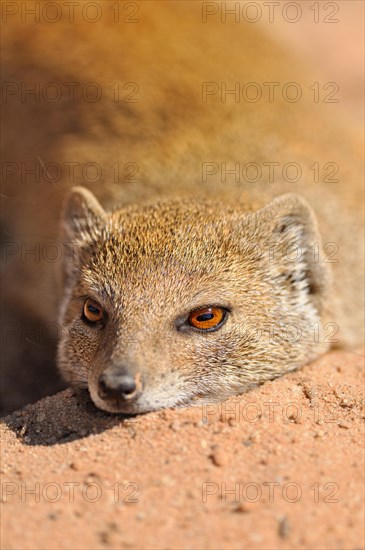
x,y
218,244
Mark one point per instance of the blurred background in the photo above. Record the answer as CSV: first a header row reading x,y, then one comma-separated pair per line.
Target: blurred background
x,y
333,50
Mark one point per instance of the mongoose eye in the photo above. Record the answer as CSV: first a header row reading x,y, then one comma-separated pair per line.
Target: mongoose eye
x,y
207,318
92,311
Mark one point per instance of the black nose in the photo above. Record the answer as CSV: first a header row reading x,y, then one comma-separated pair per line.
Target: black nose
x,y
116,384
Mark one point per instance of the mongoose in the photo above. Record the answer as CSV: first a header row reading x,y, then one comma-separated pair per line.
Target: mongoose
x,y
196,265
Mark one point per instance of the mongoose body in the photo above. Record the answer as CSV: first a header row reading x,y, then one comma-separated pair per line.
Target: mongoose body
x,y
197,209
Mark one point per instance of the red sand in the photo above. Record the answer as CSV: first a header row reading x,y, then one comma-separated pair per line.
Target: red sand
x,y
279,467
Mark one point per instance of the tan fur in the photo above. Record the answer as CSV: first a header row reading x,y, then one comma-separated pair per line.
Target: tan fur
x,y
217,241
149,265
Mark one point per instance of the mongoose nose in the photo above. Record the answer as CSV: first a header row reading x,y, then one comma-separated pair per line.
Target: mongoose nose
x,y
114,384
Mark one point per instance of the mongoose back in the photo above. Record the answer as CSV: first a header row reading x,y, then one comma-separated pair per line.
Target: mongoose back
x,y
196,264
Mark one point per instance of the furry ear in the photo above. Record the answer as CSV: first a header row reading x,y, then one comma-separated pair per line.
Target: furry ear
x,y
82,220
82,215
292,244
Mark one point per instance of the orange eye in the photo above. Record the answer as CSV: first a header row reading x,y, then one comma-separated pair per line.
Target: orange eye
x,y
207,318
92,311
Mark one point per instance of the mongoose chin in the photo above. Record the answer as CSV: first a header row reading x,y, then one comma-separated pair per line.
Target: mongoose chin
x,y
180,302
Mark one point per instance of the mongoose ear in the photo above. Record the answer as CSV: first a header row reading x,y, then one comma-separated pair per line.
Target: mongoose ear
x,y
291,239
82,215
82,221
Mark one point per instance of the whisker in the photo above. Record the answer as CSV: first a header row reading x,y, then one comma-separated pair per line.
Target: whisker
x,y
29,341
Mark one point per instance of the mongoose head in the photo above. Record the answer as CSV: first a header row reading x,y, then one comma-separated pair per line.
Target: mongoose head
x,y
182,302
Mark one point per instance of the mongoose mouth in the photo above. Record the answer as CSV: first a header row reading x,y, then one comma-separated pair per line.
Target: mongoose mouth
x,y
119,405
129,396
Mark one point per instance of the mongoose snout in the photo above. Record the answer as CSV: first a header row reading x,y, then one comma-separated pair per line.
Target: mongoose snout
x,y
117,383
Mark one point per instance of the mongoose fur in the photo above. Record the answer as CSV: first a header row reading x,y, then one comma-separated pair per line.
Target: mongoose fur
x,y
151,251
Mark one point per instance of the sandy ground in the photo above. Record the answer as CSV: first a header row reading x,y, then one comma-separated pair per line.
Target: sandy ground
x,y
279,467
